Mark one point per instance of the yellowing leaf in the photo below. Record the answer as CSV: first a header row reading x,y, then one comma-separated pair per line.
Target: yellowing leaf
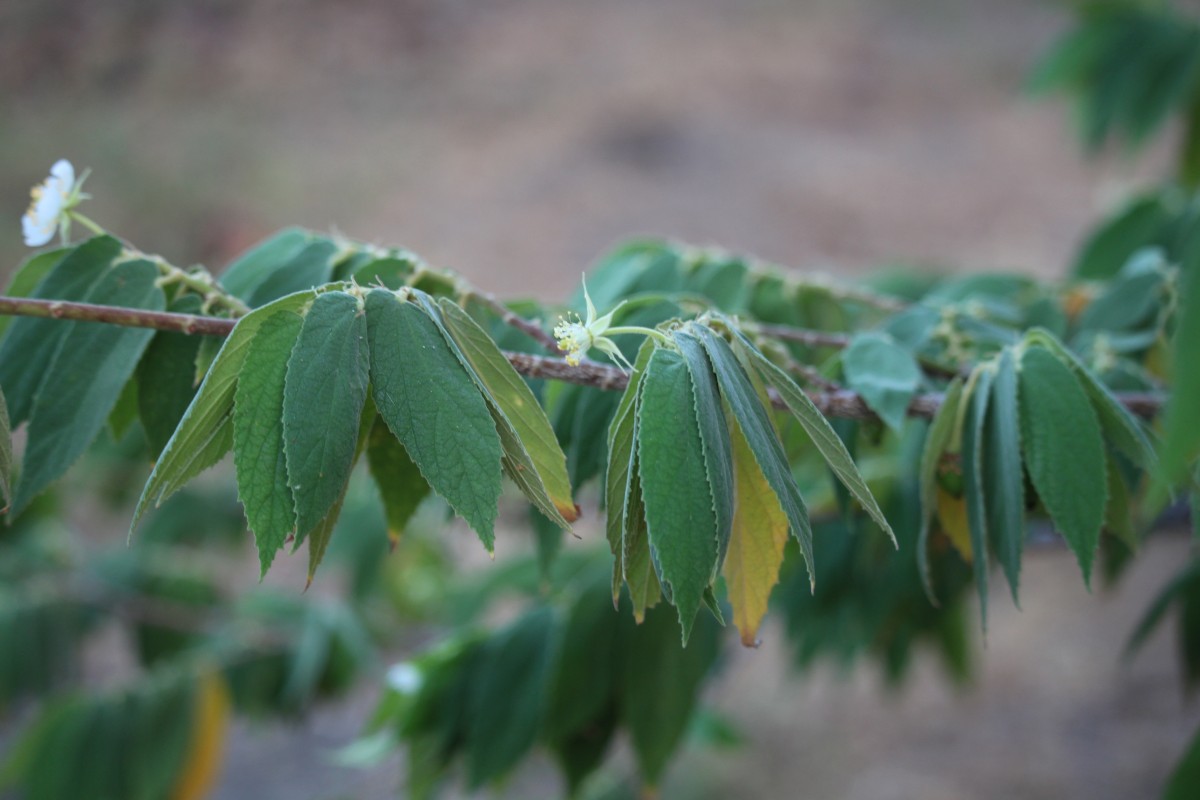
x,y
952,513
203,762
760,531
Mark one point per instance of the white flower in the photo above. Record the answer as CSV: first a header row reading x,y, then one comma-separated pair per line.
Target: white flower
x,y
50,202
576,338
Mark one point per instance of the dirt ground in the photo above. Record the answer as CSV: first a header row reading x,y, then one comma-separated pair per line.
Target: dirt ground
x,y
516,143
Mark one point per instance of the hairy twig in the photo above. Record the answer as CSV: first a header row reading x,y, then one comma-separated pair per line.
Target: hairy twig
x,y
841,403
528,327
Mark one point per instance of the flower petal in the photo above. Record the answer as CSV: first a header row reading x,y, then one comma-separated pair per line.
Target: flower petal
x,y
65,172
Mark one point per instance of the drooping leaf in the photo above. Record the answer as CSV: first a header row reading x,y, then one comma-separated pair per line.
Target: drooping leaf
x,y
819,430
1060,438
714,436
1119,425
582,680
166,378
751,415
311,267
506,700
1003,478
973,446
533,458
936,441
1184,782
432,405
1181,433
621,454
84,379
323,397
254,266
760,531
679,503
211,719
27,277
205,433
884,373
258,454
401,486
659,684
30,340
6,457
641,573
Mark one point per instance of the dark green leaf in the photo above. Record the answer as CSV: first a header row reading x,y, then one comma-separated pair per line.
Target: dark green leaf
x,y
1181,433
205,433
533,458
30,340
125,411
884,373
27,277
507,697
401,486
582,682
660,683
1003,478
1184,783
166,378
432,405
84,378
323,397
254,266
678,500
1138,225
311,267
971,456
6,457
714,436
1064,453
258,454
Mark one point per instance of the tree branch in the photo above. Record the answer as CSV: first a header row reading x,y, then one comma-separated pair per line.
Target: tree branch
x,y
841,403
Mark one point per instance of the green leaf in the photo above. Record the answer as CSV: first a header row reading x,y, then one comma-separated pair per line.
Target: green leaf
x,y
254,266
751,414
125,410
84,378
941,430
533,458
822,434
507,697
311,267
1003,478
1184,783
1181,432
33,341
714,436
6,456
258,453
1138,225
583,679
1064,453
884,373
323,398
679,502
27,277
621,454
978,396
401,486
166,378
659,684
432,405
205,433
1119,424
641,571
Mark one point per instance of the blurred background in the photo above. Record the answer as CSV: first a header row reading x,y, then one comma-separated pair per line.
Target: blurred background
x,y
515,141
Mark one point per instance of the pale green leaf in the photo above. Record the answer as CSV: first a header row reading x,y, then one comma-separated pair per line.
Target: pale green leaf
x,y
884,373
936,440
